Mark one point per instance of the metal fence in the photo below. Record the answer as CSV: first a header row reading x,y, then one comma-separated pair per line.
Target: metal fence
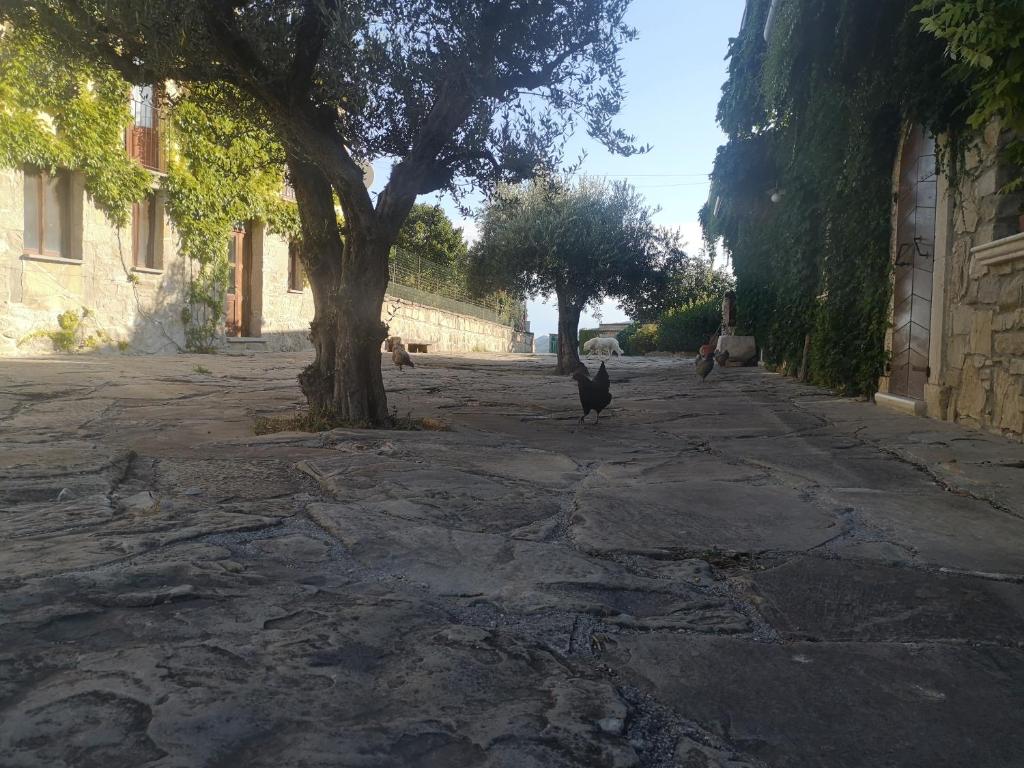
x,y
441,281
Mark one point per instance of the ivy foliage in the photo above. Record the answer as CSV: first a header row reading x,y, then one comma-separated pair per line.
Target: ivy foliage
x,y
225,166
227,169
985,42
55,115
814,118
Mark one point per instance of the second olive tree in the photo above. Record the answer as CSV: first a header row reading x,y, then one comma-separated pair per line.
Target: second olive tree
x,y
581,241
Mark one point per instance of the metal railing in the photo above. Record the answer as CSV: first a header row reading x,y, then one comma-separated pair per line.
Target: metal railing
x,y
432,281
146,137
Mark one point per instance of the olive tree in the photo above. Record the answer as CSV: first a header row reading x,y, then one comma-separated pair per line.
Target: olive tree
x,y
457,92
581,241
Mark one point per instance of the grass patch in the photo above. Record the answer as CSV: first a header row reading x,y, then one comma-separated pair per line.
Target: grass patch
x,y
202,369
308,421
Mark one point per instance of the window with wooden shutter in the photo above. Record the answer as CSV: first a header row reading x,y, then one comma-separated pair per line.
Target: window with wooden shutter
x,y
145,137
48,208
296,272
147,232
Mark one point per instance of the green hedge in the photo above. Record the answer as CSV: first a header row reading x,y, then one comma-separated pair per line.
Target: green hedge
x,y
639,339
687,328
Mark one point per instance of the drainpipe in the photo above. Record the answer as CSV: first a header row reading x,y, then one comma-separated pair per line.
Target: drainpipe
x,y
770,21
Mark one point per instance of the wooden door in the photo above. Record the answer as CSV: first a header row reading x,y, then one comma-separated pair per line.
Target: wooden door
x,y
915,262
237,299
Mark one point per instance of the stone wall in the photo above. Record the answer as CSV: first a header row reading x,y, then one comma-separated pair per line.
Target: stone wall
x,y
447,330
125,308
977,358
139,310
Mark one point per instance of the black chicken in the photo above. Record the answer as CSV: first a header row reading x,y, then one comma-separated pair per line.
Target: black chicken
x,y
594,393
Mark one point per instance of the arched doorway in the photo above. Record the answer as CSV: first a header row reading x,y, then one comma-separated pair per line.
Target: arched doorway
x,y
914,265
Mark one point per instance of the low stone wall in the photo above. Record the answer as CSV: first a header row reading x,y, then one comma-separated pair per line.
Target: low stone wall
x,y
448,330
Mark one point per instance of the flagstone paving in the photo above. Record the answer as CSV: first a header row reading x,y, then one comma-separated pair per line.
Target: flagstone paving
x,y
739,574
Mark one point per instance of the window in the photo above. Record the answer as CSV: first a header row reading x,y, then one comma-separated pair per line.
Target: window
x,y
48,205
143,137
296,272
144,103
148,232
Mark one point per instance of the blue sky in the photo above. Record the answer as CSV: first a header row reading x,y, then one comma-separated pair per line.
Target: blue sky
x,y
674,74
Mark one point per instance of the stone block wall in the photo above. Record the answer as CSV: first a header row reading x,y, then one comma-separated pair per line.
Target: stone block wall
x,y
129,309
285,313
446,330
978,379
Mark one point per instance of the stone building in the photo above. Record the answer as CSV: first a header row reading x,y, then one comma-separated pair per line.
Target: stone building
x,y
611,330
957,336
65,267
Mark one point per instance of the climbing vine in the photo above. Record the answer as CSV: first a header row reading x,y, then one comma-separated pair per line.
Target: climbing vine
x,y
985,43
224,166
801,193
227,169
54,115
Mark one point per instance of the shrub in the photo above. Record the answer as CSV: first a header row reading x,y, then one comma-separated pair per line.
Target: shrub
x,y
685,329
639,339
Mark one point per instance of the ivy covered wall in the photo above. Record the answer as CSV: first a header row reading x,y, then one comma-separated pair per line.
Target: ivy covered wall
x,y
801,194
223,165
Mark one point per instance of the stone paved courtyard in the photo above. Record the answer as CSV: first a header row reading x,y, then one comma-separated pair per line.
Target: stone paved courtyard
x,y
743,573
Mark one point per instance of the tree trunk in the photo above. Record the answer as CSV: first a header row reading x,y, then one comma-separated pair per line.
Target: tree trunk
x,y
321,254
358,382
348,280
568,336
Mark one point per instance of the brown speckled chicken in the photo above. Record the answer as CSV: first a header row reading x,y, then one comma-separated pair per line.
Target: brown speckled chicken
x,y
400,357
704,365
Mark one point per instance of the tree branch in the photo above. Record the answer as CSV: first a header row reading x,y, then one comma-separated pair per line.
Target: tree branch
x,y
310,36
259,79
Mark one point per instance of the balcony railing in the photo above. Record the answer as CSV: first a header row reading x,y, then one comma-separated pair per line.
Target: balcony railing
x,y
146,137
287,190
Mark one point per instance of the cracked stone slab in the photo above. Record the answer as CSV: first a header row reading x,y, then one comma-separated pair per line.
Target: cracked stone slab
x,y
835,600
617,510
518,591
844,705
522,575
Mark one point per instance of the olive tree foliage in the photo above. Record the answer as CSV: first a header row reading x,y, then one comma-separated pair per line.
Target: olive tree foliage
x,y
461,93
581,241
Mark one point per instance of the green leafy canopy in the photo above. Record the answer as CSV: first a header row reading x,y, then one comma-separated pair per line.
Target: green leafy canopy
x,y
582,241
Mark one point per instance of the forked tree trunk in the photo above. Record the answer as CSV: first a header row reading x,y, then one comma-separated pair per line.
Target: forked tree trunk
x,y
568,337
348,281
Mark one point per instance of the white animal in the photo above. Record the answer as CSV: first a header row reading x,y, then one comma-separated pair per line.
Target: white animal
x,y
605,346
